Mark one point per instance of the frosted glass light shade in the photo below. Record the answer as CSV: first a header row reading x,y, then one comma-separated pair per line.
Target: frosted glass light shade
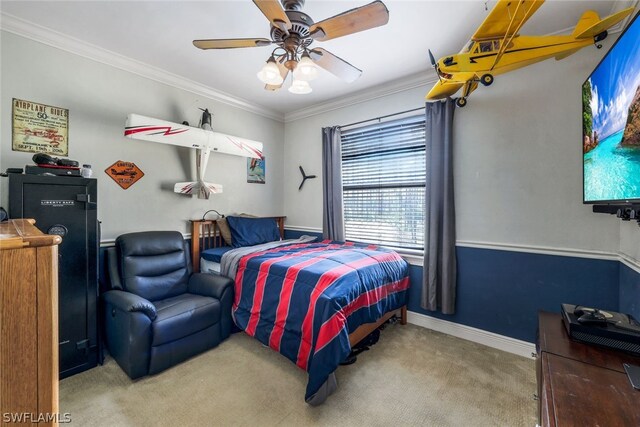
x,y
300,87
270,73
306,69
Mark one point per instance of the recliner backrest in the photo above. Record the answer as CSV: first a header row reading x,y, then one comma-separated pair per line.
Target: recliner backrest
x,y
153,264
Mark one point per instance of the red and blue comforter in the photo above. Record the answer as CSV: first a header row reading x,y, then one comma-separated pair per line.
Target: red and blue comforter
x,y
303,300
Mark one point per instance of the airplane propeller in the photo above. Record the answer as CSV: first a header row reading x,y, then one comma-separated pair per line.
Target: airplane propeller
x,y
434,64
304,177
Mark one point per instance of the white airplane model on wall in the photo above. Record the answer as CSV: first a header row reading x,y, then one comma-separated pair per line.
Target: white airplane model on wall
x,y
204,139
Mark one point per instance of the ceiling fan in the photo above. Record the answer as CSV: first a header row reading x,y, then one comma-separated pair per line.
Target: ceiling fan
x,y
293,32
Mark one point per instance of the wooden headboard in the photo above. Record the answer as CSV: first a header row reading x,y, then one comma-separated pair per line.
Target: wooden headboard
x,y
205,234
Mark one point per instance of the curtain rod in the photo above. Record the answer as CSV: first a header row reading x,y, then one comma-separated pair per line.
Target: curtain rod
x,y
381,117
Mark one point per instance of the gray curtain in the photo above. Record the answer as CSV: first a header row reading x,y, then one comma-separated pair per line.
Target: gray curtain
x,y
439,273
332,215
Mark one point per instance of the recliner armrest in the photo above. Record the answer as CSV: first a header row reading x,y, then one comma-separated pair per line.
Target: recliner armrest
x,y
219,287
210,285
126,301
112,269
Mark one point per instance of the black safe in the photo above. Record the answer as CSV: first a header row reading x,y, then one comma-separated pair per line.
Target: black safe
x,y
67,206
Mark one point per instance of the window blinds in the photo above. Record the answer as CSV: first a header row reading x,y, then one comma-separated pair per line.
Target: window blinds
x,y
383,178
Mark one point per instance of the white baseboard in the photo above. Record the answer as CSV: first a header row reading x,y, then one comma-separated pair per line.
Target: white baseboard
x,y
510,345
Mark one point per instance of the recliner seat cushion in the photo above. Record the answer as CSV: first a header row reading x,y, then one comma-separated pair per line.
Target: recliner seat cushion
x,y
183,315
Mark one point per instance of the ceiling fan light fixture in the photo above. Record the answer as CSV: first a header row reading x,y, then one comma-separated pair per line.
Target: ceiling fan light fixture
x,y
270,73
306,69
300,87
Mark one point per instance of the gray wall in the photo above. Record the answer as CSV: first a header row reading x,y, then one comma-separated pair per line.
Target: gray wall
x,y
630,240
99,97
518,162
517,159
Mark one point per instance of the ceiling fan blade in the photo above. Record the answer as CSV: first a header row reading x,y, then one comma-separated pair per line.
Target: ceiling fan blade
x,y
274,12
230,43
284,71
352,21
336,66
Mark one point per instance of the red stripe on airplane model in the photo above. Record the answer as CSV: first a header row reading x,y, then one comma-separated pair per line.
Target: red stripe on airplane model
x,y
168,130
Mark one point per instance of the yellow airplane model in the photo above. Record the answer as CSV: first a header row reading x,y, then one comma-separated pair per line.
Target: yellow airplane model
x,y
497,47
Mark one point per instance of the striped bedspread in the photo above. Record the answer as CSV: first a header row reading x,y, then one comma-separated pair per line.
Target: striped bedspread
x,y
304,299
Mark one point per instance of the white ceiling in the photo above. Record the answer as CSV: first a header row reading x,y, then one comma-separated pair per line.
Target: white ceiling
x,y
159,33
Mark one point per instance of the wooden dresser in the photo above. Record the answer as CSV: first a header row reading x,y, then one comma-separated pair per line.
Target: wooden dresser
x,y
581,384
28,324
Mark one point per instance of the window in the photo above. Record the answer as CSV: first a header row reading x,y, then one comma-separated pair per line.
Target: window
x,y
383,179
468,47
486,46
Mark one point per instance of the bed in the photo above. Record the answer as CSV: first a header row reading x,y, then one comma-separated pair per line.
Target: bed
x,y
309,300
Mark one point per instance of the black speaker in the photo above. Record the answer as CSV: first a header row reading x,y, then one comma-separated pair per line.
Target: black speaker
x,y
67,206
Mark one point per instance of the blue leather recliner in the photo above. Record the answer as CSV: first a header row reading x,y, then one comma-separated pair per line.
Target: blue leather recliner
x,y
158,313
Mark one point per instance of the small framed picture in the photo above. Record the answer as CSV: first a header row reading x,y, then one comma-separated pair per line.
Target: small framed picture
x,y
255,171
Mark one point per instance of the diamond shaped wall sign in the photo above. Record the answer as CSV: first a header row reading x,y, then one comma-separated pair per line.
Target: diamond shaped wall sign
x,y
125,174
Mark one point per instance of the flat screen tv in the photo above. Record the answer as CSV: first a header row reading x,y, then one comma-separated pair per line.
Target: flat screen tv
x,y
611,123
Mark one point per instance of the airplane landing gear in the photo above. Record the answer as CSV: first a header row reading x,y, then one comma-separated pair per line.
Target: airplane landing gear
x,y
599,37
486,79
461,102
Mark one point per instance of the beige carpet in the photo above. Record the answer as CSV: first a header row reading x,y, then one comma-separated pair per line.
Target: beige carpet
x,y
413,376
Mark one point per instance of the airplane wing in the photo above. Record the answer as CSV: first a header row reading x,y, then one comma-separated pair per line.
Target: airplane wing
x,y
149,129
521,14
443,89
506,18
227,144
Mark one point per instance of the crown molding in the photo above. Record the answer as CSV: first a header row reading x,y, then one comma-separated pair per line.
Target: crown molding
x,y
60,41
40,34
384,89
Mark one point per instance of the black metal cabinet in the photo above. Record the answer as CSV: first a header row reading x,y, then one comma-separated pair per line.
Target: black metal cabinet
x,y
67,206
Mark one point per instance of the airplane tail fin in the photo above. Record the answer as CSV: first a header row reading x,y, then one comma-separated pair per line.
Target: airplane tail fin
x,y
590,24
202,189
587,20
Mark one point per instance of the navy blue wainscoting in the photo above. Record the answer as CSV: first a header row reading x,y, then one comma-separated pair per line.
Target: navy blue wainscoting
x,y
502,291
629,291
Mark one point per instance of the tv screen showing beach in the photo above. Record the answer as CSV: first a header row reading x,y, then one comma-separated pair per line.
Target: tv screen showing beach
x,y
611,123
